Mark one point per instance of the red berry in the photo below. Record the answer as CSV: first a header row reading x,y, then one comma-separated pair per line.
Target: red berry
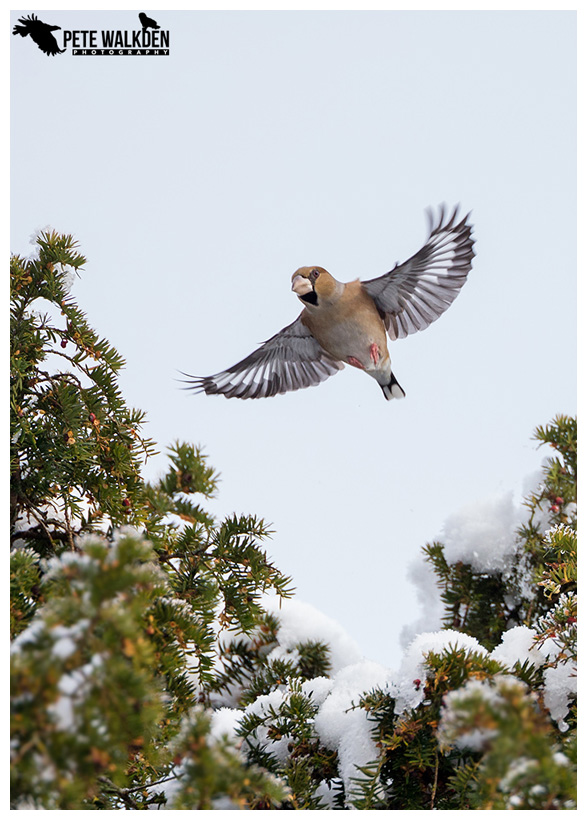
x,y
417,683
559,500
126,502
555,508
64,343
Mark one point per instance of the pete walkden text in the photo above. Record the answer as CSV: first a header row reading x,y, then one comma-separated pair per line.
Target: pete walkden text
x,y
141,40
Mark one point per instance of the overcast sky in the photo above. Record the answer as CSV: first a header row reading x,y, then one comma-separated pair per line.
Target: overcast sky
x,y
197,183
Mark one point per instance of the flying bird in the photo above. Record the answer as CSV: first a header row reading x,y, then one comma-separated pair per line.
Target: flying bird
x,y
40,33
147,22
348,323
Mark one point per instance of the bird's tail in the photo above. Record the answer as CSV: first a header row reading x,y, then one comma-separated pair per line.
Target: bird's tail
x,y
393,390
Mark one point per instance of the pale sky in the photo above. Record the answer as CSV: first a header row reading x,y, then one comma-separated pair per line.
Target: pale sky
x,y
198,182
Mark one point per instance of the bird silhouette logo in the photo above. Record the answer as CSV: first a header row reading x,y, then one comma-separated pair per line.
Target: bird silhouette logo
x,y
40,33
147,22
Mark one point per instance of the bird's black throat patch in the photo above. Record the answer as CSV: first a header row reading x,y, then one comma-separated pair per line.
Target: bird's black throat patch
x,y
311,297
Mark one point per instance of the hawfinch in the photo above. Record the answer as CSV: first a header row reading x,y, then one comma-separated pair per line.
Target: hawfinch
x,y
347,323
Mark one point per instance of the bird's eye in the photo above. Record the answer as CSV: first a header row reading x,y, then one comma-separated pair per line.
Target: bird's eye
x,y
315,273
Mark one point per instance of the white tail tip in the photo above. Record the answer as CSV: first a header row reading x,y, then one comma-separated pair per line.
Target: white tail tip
x,y
393,391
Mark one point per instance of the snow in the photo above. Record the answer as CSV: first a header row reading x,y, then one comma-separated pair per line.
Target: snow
x,y
69,273
65,637
410,694
348,730
34,254
73,687
54,566
224,724
339,726
422,575
517,770
263,706
560,681
301,622
317,689
517,645
483,534
456,709
225,804
326,791
560,686
533,482
29,635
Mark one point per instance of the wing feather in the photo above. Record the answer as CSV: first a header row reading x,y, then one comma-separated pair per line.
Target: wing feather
x,y
413,295
290,360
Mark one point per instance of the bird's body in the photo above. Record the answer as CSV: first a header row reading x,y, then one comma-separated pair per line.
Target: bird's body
x,y
349,323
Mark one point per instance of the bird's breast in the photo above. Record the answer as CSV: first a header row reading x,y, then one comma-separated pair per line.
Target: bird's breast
x,y
348,329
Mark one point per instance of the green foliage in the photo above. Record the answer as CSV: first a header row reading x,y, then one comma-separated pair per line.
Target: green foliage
x,y
520,767
24,581
188,475
284,717
86,696
474,601
146,673
212,774
76,448
119,588
481,737
484,604
412,772
276,713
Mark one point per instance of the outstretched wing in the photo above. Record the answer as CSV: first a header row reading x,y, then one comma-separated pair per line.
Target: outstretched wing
x,y
411,296
290,360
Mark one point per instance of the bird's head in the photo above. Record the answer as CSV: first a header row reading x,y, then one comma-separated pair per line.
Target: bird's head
x,y
314,285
